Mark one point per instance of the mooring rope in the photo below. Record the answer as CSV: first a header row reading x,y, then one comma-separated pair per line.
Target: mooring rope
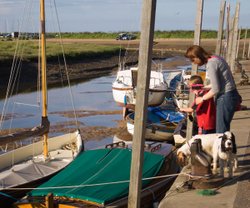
x,y
101,184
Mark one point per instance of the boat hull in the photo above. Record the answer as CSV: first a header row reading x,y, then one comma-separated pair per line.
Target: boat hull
x,y
157,133
21,169
158,186
124,88
160,126
125,97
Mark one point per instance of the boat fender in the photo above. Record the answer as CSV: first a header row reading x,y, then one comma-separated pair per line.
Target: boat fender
x,y
156,148
125,100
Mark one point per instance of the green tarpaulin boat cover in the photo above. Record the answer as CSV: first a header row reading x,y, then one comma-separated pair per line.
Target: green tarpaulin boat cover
x,y
96,167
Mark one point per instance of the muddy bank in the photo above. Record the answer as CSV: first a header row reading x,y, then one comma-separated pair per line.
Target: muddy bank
x,y
88,133
83,69
56,73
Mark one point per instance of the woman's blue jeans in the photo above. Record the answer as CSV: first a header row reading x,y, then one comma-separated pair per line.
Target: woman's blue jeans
x,y
225,107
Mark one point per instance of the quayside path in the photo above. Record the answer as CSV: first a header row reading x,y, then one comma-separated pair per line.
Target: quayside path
x,y
233,193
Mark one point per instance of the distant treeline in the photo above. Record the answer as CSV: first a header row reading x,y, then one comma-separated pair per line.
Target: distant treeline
x,y
206,34
157,34
186,34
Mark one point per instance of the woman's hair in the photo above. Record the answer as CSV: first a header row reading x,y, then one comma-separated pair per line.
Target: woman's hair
x,y
195,79
196,51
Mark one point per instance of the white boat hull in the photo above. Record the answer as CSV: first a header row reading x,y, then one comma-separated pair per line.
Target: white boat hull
x,y
26,164
152,134
124,91
125,97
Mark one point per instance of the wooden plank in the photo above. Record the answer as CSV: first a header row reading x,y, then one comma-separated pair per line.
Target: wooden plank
x,y
145,58
220,30
197,37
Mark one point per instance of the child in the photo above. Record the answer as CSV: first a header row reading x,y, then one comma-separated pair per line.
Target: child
x,y
205,111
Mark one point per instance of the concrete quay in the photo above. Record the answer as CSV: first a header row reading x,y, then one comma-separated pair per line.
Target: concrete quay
x,y
232,193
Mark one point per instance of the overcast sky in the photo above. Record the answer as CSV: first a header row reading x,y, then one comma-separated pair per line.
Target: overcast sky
x,y
114,15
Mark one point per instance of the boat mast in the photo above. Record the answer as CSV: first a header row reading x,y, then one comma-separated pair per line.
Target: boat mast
x,y
44,76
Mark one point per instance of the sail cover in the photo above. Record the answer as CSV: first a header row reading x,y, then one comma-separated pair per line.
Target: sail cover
x,y
94,167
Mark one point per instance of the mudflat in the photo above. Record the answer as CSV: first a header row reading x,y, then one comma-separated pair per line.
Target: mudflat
x,y
86,69
95,67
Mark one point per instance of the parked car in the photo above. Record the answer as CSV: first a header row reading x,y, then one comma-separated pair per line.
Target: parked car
x,y
125,36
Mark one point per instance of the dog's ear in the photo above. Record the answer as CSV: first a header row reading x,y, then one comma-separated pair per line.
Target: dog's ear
x,y
234,144
222,144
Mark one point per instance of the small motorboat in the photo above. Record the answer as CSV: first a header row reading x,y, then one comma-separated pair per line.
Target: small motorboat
x,y
124,88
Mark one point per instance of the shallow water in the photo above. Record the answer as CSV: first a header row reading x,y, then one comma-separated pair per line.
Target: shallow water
x,y
93,95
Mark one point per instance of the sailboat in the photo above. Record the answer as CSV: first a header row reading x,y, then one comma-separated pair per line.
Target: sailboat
x,y
100,178
30,165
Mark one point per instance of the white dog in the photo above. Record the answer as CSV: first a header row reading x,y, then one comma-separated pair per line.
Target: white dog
x,y
221,147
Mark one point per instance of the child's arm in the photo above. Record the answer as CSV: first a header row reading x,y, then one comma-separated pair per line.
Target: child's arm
x,y
187,110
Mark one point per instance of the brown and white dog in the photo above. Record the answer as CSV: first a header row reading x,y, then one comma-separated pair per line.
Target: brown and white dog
x,y
221,147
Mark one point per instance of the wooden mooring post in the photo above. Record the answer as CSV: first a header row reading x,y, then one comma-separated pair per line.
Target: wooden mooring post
x,y
220,29
144,69
197,37
49,201
244,54
234,38
248,52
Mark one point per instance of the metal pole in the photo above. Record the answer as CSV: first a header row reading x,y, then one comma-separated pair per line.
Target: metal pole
x,y
197,37
144,69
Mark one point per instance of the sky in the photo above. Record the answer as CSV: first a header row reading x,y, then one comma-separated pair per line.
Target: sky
x,y
113,15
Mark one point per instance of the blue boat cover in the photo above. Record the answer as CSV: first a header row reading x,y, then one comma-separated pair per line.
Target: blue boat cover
x,y
166,114
99,166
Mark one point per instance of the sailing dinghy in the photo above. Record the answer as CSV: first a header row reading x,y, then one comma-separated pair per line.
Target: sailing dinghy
x,y
100,178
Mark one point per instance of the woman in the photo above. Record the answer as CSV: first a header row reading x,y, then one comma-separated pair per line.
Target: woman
x,y
222,85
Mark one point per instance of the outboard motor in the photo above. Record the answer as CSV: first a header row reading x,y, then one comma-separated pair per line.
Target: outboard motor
x,y
200,161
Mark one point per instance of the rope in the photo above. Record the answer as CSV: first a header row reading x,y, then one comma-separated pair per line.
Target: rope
x,y
216,189
16,64
8,196
102,184
65,65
